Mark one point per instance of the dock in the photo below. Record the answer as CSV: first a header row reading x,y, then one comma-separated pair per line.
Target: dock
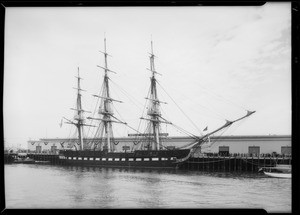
x,y
218,163
234,163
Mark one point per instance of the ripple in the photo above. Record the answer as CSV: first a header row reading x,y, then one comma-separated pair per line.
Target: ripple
x,y
47,186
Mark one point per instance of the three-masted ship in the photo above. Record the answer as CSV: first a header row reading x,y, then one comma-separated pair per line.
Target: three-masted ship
x,y
149,150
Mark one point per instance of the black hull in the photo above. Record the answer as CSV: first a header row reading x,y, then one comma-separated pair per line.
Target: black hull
x,y
138,159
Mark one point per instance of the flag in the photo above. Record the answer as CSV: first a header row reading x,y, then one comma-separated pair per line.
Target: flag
x,y
62,144
205,129
61,122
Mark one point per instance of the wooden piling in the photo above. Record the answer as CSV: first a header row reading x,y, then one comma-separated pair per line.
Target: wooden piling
x,y
235,163
252,164
240,164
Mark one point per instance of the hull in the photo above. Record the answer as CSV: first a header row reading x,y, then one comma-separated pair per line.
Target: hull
x,y
279,171
278,175
136,159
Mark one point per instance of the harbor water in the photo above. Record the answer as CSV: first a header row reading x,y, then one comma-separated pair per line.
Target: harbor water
x,y
50,186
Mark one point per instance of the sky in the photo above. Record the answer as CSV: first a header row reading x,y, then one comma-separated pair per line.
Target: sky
x,y
216,63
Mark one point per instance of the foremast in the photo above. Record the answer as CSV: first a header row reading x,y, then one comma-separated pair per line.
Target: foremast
x,y
79,118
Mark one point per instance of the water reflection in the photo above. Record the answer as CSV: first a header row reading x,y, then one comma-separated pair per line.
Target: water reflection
x,y
38,186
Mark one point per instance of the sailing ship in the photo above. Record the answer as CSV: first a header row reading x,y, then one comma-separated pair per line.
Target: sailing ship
x,y
149,151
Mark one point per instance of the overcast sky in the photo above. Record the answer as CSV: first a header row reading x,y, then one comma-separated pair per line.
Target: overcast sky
x,y
216,63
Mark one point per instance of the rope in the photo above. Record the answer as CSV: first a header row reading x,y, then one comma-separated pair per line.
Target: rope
x,y
186,132
127,95
209,111
95,109
220,160
255,163
180,109
216,95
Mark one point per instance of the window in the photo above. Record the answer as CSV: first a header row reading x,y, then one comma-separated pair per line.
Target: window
x,y
79,158
97,159
138,159
130,159
91,159
74,158
109,159
123,159
103,159
53,148
117,159
286,150
38,149
254,151
155,159
85,159
223,150
146,159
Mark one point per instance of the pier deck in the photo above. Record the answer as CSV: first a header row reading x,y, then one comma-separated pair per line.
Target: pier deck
x,y
234,163
204,163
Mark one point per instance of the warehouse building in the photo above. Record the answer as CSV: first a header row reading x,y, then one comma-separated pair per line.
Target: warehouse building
x,y
252,145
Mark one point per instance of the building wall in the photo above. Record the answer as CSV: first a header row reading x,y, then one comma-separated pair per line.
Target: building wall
x,y
237,144
241,145
46,146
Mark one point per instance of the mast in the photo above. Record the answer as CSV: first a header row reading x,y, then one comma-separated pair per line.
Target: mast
x,y
106,111
154,109
79,116
155,117
79,120
154,112
105,108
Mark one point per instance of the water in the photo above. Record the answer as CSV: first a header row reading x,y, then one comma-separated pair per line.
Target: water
x,y
47,186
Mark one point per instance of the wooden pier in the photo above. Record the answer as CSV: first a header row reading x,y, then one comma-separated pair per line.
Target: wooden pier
x,y
216,163
233,163
53,158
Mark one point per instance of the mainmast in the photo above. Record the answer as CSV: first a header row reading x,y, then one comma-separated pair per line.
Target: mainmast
x,y
105,108
107,111
154,105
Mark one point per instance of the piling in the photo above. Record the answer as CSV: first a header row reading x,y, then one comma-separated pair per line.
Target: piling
x,y
252,164
234,163
215,162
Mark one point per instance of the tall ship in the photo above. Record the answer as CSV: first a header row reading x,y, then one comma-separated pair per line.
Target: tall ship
x,y
148,150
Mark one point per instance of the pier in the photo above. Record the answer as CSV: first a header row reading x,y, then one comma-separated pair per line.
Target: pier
x,y
214,162
53,158
234,163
